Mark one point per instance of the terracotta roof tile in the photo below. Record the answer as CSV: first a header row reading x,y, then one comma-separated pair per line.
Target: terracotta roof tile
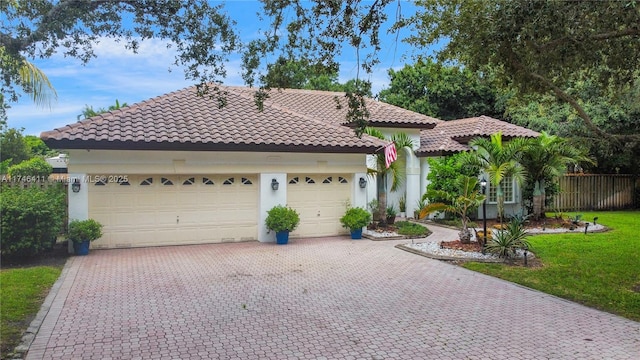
x,y
452,136
332,106
182,120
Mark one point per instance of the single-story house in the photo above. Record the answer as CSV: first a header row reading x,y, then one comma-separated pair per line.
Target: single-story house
x,y
178,169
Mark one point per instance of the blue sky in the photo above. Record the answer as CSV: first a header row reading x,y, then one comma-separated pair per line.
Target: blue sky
x,y
119,74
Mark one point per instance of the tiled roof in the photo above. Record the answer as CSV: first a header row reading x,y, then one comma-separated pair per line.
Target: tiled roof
x,y
452,136
333,107
293,120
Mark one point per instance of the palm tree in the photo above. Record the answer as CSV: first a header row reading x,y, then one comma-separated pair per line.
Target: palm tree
x,y
395,172
545,159
499,160
468,199
32,80
89,112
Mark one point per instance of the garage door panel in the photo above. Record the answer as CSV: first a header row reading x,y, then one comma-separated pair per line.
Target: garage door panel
x,y
176,210
321,201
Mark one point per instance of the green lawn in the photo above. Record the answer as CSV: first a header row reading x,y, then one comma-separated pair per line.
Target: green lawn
x,y
599,270
22,291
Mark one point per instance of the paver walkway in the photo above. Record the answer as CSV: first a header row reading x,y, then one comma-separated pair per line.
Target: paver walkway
x,y
325,298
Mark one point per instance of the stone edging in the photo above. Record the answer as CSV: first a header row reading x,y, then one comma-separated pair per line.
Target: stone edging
x,y
445,258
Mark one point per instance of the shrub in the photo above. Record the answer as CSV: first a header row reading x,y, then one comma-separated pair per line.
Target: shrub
x,y
355,218
506,242
282,218
31,219
81,230
443,175
35,167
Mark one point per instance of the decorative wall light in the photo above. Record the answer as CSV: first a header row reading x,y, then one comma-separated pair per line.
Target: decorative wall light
x,y
274,184
363,183
75,186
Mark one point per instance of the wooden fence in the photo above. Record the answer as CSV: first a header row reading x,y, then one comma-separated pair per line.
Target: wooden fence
x,y
580,192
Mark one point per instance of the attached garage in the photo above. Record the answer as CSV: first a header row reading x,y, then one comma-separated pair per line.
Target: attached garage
x,y
197,173
155,210
321,200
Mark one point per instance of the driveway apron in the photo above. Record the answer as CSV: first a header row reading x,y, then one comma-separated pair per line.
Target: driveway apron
x,y
323,298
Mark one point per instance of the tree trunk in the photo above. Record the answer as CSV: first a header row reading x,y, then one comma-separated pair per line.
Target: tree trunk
x,y
465,236
538,200
382,199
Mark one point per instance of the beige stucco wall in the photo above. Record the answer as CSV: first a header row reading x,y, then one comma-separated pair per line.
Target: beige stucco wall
x,y
116,162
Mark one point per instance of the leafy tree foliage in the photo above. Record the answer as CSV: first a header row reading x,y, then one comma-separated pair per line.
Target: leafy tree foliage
x,y
13,146
615,113
202,34
442,91
34,167
540,46
37,147
300,74
443,174
31,219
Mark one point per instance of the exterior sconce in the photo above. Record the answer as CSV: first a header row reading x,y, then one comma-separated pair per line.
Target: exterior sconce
x,y
363,183
274,184
483,184
75,186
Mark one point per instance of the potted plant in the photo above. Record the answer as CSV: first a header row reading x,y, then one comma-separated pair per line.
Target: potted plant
x,y
391,215
82,232
282,220
373,207
355,219
402,204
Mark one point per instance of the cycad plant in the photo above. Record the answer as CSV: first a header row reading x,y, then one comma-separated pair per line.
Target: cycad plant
x,y
506,242
467,199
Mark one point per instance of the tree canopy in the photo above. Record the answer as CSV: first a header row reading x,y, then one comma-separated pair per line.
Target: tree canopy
x,y
442,91
535,46
540,46
202,34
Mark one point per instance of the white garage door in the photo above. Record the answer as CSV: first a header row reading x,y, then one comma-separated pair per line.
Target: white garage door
x,y
321,201
155,210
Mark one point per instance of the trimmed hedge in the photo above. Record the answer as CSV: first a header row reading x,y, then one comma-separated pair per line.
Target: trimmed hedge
x,y
34,167
31,219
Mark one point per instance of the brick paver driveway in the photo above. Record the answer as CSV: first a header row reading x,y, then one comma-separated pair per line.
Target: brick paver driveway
x,y
328,298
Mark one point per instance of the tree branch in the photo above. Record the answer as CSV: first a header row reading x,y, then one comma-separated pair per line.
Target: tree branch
x,y
597,37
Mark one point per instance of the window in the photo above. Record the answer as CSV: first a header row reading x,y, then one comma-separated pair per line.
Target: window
x,y
309,180
229,181
295,180
328,180
507,191
342,180
147,181
207,181
189,181
246,181
166,181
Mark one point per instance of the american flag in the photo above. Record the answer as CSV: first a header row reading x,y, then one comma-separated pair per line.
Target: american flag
x,y
390,154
